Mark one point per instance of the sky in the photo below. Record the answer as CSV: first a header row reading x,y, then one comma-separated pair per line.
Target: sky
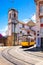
x,y
26,10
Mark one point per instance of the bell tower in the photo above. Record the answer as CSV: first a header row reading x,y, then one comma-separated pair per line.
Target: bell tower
x,y
12,21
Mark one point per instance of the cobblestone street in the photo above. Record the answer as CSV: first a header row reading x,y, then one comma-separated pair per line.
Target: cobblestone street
x,y
3,61
16,55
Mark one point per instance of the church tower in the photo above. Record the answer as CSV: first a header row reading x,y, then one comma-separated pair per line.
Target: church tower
x,y
12,21
39,19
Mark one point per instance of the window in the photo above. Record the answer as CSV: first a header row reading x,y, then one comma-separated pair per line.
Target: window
x,y
20,31
41,20
23,33
10,16
41,30
28,32
37,34
30,27
41,8
32,40
37,31
34,33
38,41
23,25
20,27
14,15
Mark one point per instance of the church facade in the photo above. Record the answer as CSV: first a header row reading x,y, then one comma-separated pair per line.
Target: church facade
x,y
16,28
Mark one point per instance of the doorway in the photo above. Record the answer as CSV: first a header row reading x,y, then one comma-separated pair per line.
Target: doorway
x,y
41,42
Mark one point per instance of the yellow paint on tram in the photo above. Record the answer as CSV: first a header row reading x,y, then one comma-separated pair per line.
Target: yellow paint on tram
x,y
28,41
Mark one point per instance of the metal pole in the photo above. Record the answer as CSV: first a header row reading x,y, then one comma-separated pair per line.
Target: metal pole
x,y
14,34
14,31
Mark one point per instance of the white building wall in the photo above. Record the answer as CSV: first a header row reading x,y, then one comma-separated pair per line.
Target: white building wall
x,y
24,32
41,31
38,42
34,28
19,28
20,25
26,27
13,28
9,30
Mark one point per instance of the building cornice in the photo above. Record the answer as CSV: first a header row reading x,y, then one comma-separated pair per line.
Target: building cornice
x,y
13,10
36,0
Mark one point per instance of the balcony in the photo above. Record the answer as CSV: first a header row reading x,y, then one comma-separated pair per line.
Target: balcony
x,y
41,14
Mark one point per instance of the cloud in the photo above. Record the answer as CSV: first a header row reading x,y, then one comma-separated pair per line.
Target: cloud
x,y
34,18
4,31
26,20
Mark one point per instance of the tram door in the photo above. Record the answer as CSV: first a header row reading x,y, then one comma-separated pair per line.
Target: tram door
x,y
41,42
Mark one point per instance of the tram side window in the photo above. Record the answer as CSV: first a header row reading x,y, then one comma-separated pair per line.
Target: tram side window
x,y
28,40
32,40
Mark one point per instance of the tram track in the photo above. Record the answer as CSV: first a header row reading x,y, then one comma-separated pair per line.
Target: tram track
x,y
30,60
35,55
29,52
18,61
34,58
9,57
6,57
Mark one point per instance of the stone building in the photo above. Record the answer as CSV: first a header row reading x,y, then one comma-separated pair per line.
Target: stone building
x,y
12,22
39,19
2,40
24,29
16,28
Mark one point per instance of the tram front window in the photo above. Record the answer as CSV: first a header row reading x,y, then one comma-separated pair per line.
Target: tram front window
x,y
26,40
32,40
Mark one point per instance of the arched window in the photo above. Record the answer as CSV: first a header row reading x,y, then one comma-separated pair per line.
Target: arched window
x,y
10,16
28,32
41,8
14,15
23,25
41,20
20,31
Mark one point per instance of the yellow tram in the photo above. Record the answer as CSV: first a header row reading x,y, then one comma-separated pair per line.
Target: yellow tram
x,y
27,41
